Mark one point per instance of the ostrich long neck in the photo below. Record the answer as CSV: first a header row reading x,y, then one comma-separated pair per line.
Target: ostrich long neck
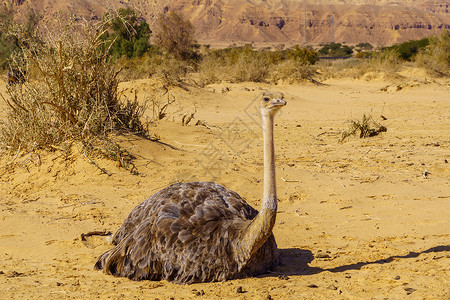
x,y
260,228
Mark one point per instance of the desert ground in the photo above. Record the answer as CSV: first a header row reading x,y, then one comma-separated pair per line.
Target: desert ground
x,y
360,219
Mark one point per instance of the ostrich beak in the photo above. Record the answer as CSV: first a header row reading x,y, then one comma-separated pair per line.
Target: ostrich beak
x,y
278,102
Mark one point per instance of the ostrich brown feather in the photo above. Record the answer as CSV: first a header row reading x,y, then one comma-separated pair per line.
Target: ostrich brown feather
x,y
200,231
186,233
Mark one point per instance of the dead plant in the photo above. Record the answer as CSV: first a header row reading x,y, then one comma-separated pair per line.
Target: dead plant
x,y
366,127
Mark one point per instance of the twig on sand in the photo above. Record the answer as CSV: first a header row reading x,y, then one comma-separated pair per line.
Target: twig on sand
x,y
103,170
91,233
287,188
31,200
289,180
15,156
343,185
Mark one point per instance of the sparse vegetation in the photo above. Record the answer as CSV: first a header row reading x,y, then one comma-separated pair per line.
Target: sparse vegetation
x,y
366,127
239,64
70,93
70,90
436,57
384,63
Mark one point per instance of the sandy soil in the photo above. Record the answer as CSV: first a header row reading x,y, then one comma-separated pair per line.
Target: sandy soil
x,y
356,219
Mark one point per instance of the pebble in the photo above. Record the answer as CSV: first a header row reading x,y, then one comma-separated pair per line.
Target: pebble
x,y
409,290
322,255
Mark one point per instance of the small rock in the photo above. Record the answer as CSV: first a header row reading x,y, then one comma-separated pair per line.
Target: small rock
x,y
322,255
409,290
313,286
348,276
239,290
397,277
346,207
269,297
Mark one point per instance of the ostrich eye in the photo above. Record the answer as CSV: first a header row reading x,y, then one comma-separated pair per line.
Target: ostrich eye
x,y
266,99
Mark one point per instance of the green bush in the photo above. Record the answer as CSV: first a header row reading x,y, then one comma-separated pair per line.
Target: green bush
x,y
364,46
408,50
127,35
336,50
303,55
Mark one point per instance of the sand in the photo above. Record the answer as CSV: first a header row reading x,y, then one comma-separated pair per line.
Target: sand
x,y
357,220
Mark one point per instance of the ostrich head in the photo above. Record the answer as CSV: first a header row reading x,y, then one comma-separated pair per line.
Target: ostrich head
x,y
271,103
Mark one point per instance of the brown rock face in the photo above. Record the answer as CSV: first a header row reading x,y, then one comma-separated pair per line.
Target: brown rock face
x,y
378,22
297,22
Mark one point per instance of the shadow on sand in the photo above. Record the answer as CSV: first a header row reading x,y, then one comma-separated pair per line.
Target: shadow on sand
x,y
295,261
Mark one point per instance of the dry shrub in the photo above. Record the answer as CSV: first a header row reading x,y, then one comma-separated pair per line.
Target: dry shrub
x,y
249,66
234,65
340,68
70,91
366,127
212,70
385,63
436,57
292,71
175,34
169,70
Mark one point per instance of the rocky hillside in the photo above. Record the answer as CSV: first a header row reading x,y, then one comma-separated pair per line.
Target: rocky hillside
x,y
379,22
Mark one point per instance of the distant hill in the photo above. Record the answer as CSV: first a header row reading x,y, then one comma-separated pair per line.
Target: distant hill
x,y
268,22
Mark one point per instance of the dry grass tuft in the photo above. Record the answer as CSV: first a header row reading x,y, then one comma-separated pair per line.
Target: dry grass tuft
x,y
292,71
366,127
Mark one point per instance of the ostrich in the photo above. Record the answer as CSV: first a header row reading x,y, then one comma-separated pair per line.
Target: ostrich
x,y
200,231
